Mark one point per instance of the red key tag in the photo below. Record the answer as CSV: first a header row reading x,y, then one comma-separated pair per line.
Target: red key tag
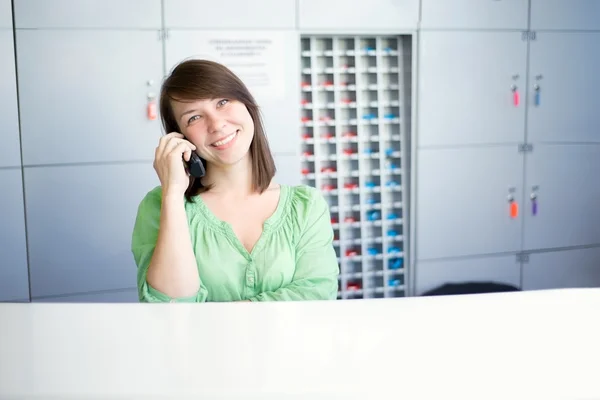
x,y
514,209
516,98
152,110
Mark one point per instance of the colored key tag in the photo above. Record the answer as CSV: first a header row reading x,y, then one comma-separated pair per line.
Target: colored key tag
x,y
537,98
514,209
534,204
516,97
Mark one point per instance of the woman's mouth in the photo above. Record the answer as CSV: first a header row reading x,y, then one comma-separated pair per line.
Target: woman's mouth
x,y
226,141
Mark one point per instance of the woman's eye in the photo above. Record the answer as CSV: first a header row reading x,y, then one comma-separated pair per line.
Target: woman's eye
x,y
223,102
193,119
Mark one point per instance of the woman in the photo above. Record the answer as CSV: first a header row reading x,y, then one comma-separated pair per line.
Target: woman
x,y
233,234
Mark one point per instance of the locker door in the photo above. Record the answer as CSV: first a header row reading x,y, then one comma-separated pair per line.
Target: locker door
x,y
565,14
233,14
462,205
368,15
79,221
36,14
577,268
466,91
503,269
564,181
10,148
116,296
474,14
14,280
5,14
272,77
83,95
564,66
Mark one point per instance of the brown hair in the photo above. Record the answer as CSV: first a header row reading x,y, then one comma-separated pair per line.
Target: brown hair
x,y
193,80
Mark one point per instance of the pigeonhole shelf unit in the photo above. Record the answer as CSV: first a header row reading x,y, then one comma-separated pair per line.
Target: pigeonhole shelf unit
x,y
355,124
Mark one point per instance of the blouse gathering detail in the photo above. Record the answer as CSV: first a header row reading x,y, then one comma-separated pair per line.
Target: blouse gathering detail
x,y
293,259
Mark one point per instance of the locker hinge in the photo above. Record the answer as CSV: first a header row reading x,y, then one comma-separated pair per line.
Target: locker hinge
x,y
528,35
523,258
525,148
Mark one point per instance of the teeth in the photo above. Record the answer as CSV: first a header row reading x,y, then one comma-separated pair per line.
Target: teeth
x,y
226,140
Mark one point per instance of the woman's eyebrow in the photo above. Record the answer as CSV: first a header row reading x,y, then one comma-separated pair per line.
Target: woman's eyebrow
x,y
186,113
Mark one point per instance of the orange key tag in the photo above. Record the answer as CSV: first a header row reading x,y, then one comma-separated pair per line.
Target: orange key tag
x,y
514,209
152,110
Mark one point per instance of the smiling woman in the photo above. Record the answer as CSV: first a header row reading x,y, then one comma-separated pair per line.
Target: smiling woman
x,y
233,234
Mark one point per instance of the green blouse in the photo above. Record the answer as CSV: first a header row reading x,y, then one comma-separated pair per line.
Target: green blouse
x,y
294,258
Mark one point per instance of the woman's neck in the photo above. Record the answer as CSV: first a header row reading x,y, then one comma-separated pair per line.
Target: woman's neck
x,y
232,180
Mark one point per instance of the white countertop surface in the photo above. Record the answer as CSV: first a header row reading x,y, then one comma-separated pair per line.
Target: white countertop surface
x,y
525,345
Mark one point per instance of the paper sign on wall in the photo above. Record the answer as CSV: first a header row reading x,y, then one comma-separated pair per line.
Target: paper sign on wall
x,y
258,58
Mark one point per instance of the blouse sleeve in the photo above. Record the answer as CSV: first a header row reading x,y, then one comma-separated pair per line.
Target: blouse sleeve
x,y
317,269
143,242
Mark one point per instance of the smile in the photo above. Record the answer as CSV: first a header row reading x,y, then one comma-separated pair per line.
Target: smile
x,y
225,140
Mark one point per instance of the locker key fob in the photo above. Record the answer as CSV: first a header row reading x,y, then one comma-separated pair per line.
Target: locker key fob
x,y
534,205
513,206
516,97
514,209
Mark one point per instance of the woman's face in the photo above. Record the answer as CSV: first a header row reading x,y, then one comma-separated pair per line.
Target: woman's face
x,y
221,129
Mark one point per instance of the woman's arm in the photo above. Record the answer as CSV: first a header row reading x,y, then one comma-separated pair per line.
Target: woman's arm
x,y
317,268
173,269
163,252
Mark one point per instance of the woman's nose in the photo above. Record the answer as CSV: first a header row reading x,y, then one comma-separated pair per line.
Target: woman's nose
x,y
215,124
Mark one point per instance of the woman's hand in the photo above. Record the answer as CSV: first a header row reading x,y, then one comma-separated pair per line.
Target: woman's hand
x,y
169,158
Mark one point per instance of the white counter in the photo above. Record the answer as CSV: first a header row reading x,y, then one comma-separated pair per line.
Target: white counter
x,y
530,345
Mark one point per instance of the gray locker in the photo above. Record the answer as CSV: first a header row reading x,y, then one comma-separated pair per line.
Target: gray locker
x,y
565,14
576,268
273,77
288,169
80,221
563,179
503,269
84,95
14,281
564,87
130,14
233,14
466,88
463,204
474,14
117,296
372,15
10,150
5,14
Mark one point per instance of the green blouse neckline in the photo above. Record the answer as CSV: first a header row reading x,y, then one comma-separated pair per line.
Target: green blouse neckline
x,y
270,224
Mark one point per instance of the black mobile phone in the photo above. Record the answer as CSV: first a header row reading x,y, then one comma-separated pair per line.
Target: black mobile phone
x,y
195,166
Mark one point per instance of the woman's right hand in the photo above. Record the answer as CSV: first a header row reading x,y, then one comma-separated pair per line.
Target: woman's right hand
x,y
169,158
